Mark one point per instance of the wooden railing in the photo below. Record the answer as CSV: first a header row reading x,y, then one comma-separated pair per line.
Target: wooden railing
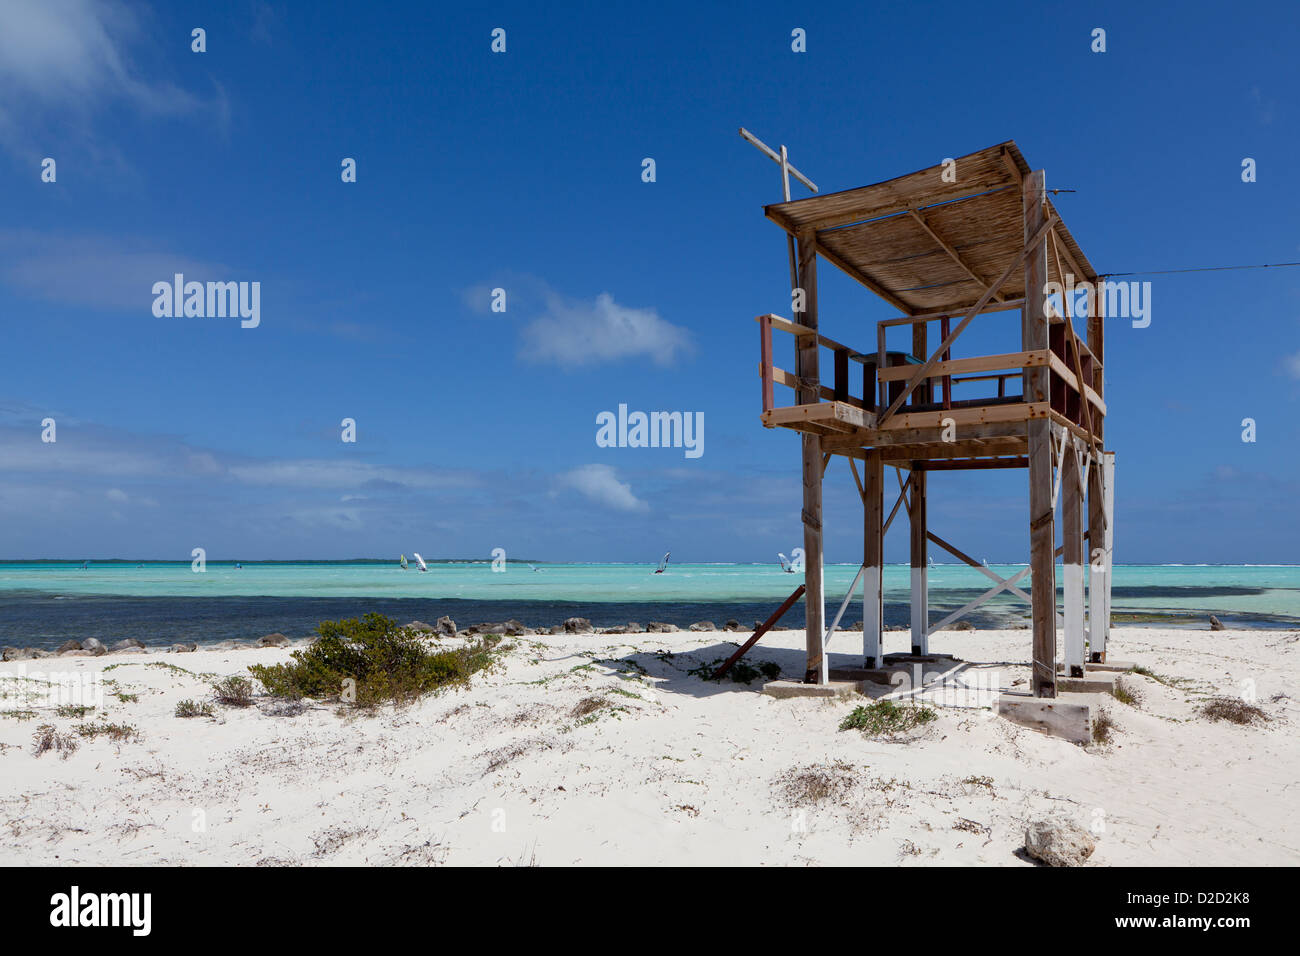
x,y
772,375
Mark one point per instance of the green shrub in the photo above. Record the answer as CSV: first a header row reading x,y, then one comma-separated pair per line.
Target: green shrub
x,y
233,691
386,662
188,708
886,717
115,732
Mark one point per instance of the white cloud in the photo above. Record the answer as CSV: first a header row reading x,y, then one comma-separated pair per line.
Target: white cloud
x,y
1291,365
600,484
62,60
115,494
98,453
581,333
94,271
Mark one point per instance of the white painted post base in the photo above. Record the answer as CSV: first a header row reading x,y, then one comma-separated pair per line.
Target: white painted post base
x,y
1074,642
873,653
920,612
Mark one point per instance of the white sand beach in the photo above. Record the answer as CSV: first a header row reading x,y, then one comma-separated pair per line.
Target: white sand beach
x,y
602,749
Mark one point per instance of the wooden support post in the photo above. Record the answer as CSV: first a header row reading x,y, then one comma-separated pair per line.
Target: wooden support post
x,y
809,376
873,557
920,561
765,359
1072,569
1099,530
1101,496
1037,388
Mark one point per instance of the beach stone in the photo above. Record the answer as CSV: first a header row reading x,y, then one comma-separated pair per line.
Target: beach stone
x,y
732,625
37,654
1215,623
513,628
93,645
19,653
703,626
273,640
184,648
67,646
856,626
961,626
127,644
1058,842
658,627
577,625
419,626
446,626
633,628
556,629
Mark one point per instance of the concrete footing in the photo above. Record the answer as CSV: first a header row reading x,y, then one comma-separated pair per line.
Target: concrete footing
x,y
1100,682
786,689
1122,666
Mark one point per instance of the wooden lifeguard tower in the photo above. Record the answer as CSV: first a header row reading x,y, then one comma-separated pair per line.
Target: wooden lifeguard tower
x,y
945,245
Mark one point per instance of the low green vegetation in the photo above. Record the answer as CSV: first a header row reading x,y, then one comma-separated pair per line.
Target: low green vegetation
x,y
371,661
189,708
233,691
1127,692
885,717
118,733
741,672
1103,727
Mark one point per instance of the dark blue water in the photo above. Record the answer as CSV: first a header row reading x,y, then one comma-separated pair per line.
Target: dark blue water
x,y
43,620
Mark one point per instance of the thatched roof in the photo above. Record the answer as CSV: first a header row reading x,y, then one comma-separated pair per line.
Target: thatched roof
x,y
891,237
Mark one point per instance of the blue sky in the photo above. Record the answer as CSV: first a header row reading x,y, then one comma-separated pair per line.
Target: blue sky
x,y
522,170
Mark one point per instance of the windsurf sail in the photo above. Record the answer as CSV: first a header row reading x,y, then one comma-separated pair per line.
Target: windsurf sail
x,y
785,562
420,561
404,565
663,563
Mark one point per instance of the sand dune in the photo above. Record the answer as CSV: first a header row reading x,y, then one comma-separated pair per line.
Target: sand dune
x,y
604,749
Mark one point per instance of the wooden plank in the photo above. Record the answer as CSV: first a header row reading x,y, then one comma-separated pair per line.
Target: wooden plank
x,y
1024,411
815,671
1061,369
1098,532
1037,389
781,377
762,629
1003,306
798,329
978,363
831,414
765,359
976,464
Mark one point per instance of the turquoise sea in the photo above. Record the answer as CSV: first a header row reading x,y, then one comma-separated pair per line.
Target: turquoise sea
x,y
44,603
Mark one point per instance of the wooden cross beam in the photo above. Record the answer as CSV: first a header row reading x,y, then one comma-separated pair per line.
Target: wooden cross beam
x,y
782,159
923,372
